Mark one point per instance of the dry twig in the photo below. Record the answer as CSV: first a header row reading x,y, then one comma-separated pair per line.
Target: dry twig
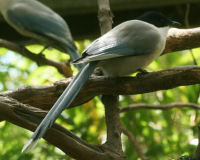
x,y
135,143
162,107
63,68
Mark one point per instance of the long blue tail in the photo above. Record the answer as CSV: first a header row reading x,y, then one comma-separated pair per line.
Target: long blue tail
x,y
74,55
62,103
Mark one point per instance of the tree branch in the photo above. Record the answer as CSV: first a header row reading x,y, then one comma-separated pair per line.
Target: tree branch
x,y
135,143
45,96
162,107
182,39
29,117
63,68
105,16
113,141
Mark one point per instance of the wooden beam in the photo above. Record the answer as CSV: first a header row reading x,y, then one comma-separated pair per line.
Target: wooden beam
x,y
81,15
90,6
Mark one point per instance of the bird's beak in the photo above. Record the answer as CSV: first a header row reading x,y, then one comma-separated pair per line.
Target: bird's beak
x,y
175,24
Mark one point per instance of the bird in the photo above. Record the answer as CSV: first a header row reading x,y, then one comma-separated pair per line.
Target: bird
x,y
129,46
33,19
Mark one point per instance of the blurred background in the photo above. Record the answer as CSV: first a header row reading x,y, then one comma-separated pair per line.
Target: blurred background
x,y
162,134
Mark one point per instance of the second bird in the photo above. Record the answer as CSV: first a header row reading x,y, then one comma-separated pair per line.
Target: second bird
x,y
33,19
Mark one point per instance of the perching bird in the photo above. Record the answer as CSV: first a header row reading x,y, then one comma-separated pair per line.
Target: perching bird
x,y
33,19
130,46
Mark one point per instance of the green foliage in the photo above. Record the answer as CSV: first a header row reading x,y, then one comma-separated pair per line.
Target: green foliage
x,y
162,134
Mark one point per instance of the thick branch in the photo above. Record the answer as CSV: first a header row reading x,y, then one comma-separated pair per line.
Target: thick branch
x,y
29,117
182,39
110,102
45,96
162,107
105,16
113,141
63,68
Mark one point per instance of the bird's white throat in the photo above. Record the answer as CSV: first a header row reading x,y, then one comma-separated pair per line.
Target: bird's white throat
x,y
164,31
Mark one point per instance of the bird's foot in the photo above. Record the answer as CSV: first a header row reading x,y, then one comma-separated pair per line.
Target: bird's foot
x,y
98,72
142,72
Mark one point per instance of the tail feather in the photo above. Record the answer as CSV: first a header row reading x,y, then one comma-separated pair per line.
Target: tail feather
x,y
30,145
74,55
62,103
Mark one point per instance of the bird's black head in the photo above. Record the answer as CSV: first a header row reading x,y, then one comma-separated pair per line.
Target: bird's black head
x,y
158,19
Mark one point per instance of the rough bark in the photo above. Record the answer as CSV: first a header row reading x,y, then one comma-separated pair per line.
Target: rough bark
x,y
28,117
182,39
113,141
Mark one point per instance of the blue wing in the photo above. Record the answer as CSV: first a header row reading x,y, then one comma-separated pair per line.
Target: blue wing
x,y
112,49
126,39
48,24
